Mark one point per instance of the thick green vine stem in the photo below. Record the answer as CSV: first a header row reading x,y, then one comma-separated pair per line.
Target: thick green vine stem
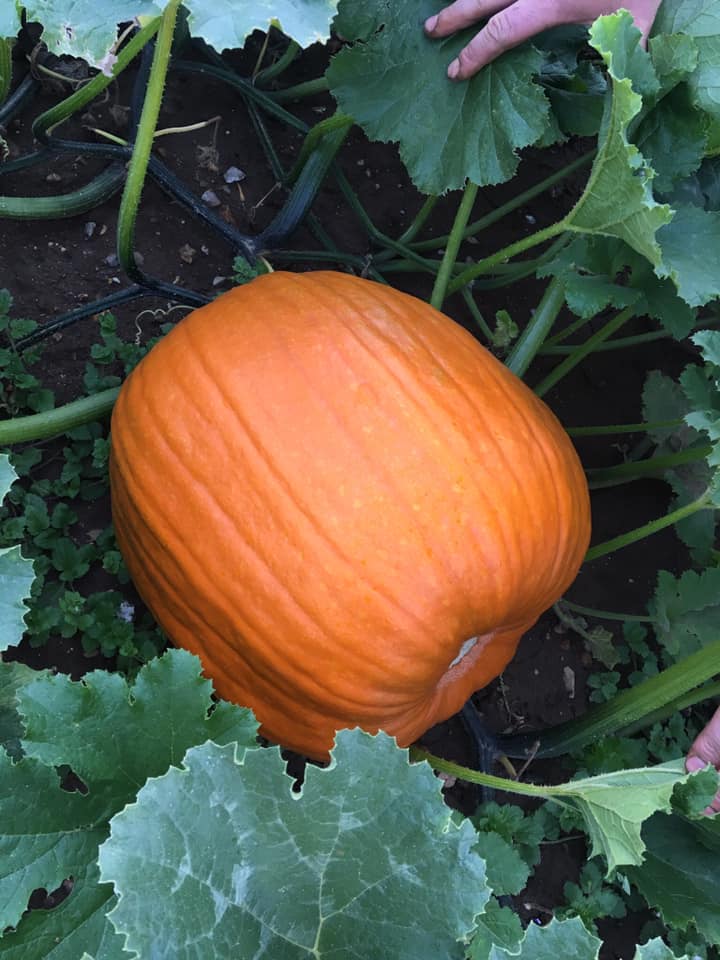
x,y
618,428
579,353
307,89
650,467
46,122
453,245
654,526
144,141
628,710
519,200
710,691
338,121
52,423
419,220
265,76
500,256
65,205
600,614
533,336
5,68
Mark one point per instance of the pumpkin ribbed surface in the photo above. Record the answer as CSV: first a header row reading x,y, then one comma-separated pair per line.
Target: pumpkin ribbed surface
x,y
342,503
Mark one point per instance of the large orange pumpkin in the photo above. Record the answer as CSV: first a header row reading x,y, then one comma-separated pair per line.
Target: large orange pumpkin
x,y
342,503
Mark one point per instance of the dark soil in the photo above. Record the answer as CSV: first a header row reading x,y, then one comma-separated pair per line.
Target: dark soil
x,y
52,267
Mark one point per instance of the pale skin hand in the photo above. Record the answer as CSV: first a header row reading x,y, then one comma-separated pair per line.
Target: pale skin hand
x,y
514,21
706,750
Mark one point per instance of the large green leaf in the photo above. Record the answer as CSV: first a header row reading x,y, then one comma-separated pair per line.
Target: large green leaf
x,y
679,876
699,19
88,28
664,399
686,611
688,244
395,86
9,18
13,676
568,939
16,576
615,806
113,736
367,861
599,272
618,200
226,23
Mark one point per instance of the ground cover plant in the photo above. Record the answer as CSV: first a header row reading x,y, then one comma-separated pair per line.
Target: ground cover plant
x,y
140,816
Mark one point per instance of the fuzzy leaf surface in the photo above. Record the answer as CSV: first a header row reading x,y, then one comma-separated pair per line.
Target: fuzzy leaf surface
x,y
394,85
245,867
615,806
568,939
618,200
16,576
13,676
686,610
699,19
88,28
497,927
9,18
679,876
692,229
665,399
113,736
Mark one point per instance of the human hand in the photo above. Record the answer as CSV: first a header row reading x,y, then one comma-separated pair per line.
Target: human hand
x,y
514,21
706,750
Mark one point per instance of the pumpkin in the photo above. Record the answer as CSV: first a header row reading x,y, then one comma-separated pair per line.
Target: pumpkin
x,y
348,508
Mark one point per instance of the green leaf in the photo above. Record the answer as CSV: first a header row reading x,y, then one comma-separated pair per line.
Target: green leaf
x,y
568,939
615,805
665,399
655,949
686,611
395,86
113,736
9,18
617,200
225,23
699,19
507,872
88,28
599,272
165,709
497,927
47,834
16,577
691,230
359,864
679,876
672,138
12,677
674,57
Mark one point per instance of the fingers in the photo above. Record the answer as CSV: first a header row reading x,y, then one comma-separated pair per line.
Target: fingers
x,y
462,13
704,752
644,13
505,29
514,21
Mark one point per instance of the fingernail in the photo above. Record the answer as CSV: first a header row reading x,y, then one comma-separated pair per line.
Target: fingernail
x,y
454,69
431,23
693,764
